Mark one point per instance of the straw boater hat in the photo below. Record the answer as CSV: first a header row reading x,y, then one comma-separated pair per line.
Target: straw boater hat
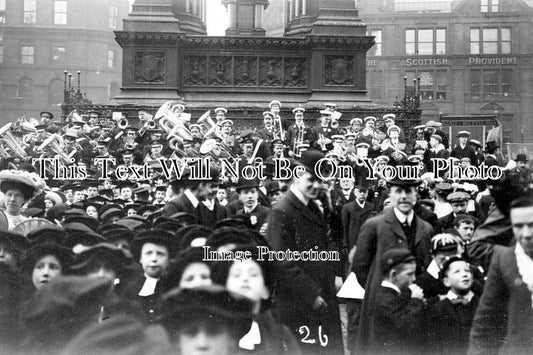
x,y
29,182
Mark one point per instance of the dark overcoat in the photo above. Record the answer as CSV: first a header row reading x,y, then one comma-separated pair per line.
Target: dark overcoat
x,y
378,235
297,227
503,323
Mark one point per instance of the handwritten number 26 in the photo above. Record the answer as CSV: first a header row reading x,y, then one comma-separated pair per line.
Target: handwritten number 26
x,y
322,338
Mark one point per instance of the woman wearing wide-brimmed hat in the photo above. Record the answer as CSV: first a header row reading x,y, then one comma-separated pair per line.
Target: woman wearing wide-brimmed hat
x,y
18,187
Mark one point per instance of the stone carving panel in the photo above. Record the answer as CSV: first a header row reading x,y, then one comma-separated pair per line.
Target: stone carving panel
x,y
295,72
149,68
270,71
219,73
195,72
339,70
245,73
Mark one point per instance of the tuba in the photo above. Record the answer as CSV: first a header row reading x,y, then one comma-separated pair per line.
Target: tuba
x,y
55,145
11,142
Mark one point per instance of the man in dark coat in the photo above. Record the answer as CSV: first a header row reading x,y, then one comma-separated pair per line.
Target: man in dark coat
x,y
463,149
296,223
398,227
248,194
504,319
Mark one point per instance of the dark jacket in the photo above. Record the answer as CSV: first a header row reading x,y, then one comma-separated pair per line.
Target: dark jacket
x,y
503,323
353,217
257,217
180,203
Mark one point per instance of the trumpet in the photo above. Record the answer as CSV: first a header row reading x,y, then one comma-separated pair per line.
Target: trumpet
x,y
56,145
323,144
11,141
149,124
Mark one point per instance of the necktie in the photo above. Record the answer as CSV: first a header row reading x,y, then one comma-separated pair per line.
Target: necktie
x,y
459,300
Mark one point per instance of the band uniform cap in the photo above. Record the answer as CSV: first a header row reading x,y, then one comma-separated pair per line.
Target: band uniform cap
x,y
349,135
431,123
71,132
195,125
180,107
465,160
298,110
420,126
356,120
458,197
362,145
427,202
325,112
383,158
221,109
226,121
41,126
303,145
393,257
476,142
330,104
521,158
438,124
463,134
337,136
274,102
47,112
393,128
277,142
437,137
444,242
415,157
265,114
389,116
370,118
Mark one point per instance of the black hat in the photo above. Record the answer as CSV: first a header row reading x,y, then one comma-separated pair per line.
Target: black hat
x,y
106,253
449,261
114,211
393,257
244,183
183,218
17,241
207,303
146,208
521,158
46,234
444,242
86,220
156,236
272,186
183,260
310,159
32,255
410,181
491,147
49,114
116,234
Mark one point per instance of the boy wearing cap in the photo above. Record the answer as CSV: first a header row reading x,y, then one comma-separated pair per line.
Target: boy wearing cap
x,y
398,318
451,318
248,191
463,149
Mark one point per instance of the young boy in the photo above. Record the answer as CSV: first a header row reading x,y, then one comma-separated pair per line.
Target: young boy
x,y
400,310
451,318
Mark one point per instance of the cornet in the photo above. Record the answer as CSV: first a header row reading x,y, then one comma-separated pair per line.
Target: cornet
x,y
278,128
298,140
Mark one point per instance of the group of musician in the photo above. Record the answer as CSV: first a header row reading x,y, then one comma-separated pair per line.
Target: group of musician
x,y
134,245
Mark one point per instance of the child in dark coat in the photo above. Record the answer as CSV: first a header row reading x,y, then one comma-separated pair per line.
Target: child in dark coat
x,y
400,310
451,318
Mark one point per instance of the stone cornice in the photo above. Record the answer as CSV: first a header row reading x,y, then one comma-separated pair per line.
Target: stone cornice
x,y
148,38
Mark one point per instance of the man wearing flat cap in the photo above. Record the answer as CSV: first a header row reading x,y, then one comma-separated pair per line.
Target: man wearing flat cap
x,y
398,227
463,149
296,223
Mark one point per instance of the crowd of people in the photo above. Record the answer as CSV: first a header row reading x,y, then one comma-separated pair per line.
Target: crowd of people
x,y
111,258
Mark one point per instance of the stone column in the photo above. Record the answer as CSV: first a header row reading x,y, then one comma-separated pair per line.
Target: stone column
x,y
150,17
258,16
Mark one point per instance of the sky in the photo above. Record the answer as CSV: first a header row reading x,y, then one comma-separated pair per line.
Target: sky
x,y
217,17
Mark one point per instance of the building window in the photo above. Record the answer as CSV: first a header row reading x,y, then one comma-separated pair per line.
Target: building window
x,y
30,11
58,55
110,58
113,16
376,48
489,84
425,41
490,5
376,84
2,12
490,40
60,12
27,54
433,83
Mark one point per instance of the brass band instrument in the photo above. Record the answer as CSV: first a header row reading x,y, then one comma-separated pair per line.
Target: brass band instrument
x,y
123,123
278,128
149,124
298,140
323,144
11,141
55,144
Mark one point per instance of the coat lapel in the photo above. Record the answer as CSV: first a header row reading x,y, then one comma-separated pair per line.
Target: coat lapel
x,y
395,226
305,210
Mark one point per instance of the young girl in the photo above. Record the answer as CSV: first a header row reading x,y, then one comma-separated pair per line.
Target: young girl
x,y
255,280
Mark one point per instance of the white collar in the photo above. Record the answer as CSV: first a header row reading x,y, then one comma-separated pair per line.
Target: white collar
x,y
402,217
149,286
524,264
388,284
299,195
191,197
433,269
453,296
360,205
252,338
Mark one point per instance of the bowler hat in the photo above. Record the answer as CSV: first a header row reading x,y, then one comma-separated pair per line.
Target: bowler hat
x,y
521,158
491,146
